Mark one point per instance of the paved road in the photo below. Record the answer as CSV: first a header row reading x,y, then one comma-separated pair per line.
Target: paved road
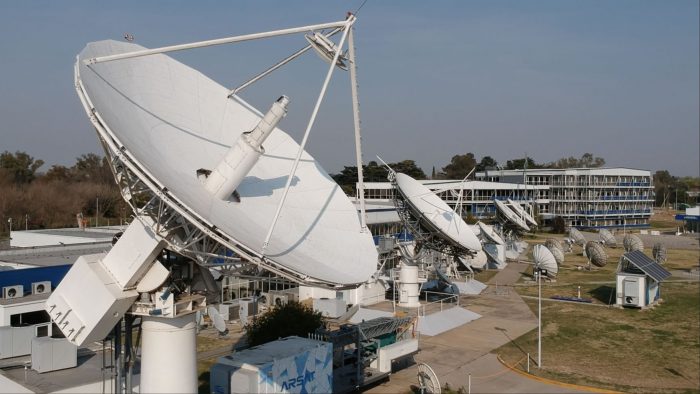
x,y
467,349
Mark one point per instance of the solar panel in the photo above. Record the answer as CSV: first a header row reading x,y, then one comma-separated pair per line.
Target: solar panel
x,y
646,264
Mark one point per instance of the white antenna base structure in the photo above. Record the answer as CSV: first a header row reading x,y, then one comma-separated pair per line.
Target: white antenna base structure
x,y
99,289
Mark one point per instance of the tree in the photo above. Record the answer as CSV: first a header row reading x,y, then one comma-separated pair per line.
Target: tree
x,y
587,160
519,164
373,172
91,167
559,225
293,318
459,166
487,162
20,165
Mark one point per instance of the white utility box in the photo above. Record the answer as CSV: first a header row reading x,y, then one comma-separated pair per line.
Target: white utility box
x,y
51,354
330,307
289,365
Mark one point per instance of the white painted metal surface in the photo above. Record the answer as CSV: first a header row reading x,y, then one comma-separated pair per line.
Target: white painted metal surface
x,y
436,214
409,287
169,355
521,212
170,121
544,259
488,232
511,216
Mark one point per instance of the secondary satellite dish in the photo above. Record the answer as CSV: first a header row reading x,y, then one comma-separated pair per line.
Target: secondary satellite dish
x,y
217,320
596,254
434,214
522,212
659,252
477,261
138,104
577,237
428,380
511,216
632,242
544,259
491,235
607,238
552,243
558,254
326,49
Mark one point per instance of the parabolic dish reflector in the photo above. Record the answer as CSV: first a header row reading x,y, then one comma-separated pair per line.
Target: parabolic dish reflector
x,y
557,253
511,215
522,212
435,214
632,242
596,254
544,259
608,238
490,234
576,235
170,120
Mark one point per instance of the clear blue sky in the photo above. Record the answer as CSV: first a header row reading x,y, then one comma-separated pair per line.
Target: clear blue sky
x,y
551,79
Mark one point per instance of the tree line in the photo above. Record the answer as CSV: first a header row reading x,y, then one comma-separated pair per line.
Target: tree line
x,y
36,200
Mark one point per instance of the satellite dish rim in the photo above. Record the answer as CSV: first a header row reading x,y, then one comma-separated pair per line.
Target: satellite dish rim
x,y
511,215
522,212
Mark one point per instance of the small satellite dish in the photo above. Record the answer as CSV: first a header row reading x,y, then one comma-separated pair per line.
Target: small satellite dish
x,y
326,49
521,212
490,234
576,235
511,216
477,261
434,214
552,243
607,238
557,253
596,254
632,242
659,252
544,260
427,380
217,320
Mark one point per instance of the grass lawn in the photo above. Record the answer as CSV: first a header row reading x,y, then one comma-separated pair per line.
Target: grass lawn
x,y
654,350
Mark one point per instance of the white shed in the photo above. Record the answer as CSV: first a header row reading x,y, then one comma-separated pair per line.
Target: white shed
x,y
638,280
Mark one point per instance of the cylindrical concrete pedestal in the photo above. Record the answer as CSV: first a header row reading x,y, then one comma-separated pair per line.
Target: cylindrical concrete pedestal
x,y
169,355
409,286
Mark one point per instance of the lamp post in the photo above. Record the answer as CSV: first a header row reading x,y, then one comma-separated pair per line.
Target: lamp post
x,y
539,272
10,222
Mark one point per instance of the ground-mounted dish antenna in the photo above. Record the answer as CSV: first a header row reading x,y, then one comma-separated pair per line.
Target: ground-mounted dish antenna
x,y
476,261
209,177
552,243
520,211
577,237
544,260
607,238
659,253
557,253
596,254
427,380
490,234
510,218
632,242
430,219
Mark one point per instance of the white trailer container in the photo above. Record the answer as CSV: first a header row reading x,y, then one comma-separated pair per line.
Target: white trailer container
x,y
289,365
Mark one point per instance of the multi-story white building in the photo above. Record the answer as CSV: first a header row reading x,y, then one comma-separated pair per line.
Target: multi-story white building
x,y
588,197
583,197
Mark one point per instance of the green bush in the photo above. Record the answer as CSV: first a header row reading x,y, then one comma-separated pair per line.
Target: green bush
x,y
292,318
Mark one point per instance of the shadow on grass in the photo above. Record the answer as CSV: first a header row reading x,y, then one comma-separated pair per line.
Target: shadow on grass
x,y
604,294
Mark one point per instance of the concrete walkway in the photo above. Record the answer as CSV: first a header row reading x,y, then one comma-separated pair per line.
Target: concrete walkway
x,y
467,349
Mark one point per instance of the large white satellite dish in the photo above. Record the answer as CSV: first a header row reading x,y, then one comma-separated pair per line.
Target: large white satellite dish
x,y
511,216
490,234
435,214
522,212
165,121
577,236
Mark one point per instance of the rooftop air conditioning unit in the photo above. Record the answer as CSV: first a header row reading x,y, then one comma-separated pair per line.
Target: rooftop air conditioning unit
x,y
16,291
41,287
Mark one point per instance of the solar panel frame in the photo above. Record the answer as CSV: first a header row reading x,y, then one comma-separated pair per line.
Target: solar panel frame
x,y
647,265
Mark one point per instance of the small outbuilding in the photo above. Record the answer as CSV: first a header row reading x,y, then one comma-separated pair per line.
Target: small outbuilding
x,y
638,280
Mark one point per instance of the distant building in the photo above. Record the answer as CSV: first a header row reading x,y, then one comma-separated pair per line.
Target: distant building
x,y
583,197
589,197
